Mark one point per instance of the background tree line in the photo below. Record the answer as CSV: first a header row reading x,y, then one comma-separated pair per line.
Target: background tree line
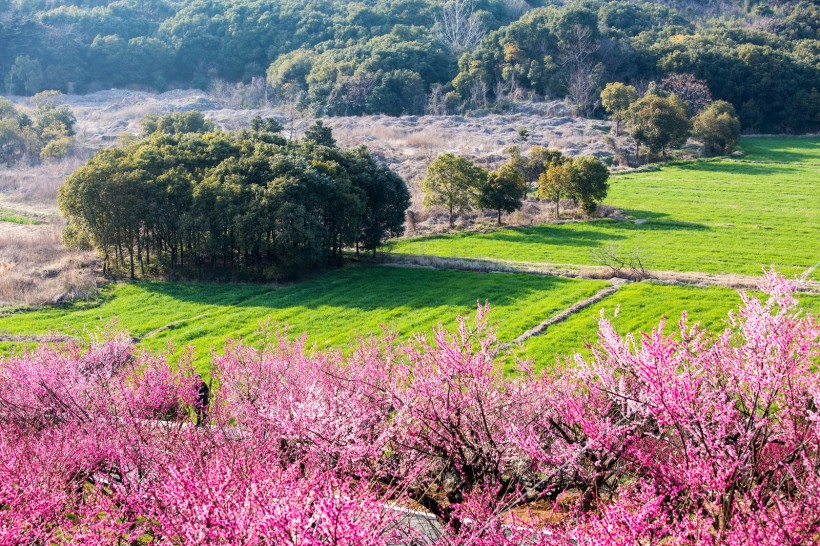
x,y
411,56
247,204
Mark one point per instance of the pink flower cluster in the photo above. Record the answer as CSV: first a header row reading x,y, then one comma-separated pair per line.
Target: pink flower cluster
x,y
655,439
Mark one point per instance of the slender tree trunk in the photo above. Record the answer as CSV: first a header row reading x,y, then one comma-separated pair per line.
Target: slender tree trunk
x,y
499,217
452,219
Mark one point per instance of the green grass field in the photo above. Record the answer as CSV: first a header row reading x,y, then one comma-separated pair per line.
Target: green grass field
x,y
640,308
333,309
718,216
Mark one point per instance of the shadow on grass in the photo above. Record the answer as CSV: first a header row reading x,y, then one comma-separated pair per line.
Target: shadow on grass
x,y
737,167
370,288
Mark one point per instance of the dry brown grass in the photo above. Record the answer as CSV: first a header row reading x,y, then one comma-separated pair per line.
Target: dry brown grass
x,y
37,184
35,268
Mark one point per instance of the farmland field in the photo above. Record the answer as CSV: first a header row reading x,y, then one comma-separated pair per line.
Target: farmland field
x,y
716,216
640,307
720,216
333,309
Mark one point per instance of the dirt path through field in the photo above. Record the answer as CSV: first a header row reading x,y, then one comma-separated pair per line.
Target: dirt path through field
x,y
564,315
691,278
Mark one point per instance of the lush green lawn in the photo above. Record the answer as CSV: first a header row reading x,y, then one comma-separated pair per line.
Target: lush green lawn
x,y
640,307
779,149
720,216
333,309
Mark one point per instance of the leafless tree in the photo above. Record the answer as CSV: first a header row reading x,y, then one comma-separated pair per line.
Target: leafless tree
x,y
623,264
478,94
583,74
694,92
582,87
458,26
436,103
516,8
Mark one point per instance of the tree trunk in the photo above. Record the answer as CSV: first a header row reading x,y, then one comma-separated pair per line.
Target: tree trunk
x,y
452,219
499,217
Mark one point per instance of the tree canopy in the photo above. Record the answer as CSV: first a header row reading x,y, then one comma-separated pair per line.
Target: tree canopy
x,y
394,56
245,204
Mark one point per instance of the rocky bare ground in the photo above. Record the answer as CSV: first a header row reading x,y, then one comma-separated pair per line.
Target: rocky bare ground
x,y
406,143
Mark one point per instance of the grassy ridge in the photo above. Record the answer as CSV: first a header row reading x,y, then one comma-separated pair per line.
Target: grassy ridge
x,y
640,308
333,309
720,216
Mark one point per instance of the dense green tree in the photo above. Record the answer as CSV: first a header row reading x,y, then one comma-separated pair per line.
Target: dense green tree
x,y
451,182
246,204
321,134
583,179
658,122
384,56
718,127
616,98
589,185
178,122
502,191
534,164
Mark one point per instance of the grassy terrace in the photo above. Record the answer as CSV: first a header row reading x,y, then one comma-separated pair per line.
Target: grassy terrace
x,y
333,309
641,307
719,216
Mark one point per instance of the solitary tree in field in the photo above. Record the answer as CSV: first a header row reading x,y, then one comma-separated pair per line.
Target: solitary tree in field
x,y
659,123
589,182
451,182
719,128
583,179
502,191
616,98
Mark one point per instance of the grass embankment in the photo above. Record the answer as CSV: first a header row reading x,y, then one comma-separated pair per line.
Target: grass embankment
x,y
640,308
717,216
333,309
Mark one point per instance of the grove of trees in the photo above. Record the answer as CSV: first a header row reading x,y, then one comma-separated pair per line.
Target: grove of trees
x,y
685,439
48,135
408,56
247,204
457,184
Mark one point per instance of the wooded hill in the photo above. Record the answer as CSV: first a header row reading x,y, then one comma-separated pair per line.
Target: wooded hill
x,y
411,56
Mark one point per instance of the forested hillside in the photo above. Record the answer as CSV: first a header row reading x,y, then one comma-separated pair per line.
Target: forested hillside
x,y
410,56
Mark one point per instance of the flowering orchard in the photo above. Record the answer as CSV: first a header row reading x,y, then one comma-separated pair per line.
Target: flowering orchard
x,y
657,439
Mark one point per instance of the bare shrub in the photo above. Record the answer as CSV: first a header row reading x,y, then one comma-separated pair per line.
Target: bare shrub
x,y
623,264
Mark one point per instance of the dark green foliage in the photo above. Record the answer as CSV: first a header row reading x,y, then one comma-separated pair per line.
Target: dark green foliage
x,y
239,205
386,56
660,123
320,134
719,128
47,136
582,179
502,191
178,122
